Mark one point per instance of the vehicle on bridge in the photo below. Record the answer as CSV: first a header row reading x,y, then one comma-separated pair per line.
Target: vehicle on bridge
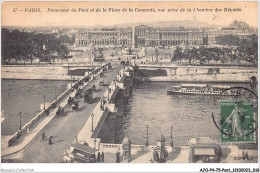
x,y
80,153
60,112
88,96
93,88
75,106
79,93
109,66
71,101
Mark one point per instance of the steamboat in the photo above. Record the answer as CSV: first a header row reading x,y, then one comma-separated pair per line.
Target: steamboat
x,y
201,89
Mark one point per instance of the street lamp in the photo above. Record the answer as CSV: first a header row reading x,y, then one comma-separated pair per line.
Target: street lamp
x,y
92,116
147,142
108,94
171,143
20,115
55,92
71,82
44,102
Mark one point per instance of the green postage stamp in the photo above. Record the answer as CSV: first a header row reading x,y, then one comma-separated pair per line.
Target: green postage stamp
x,y
237,121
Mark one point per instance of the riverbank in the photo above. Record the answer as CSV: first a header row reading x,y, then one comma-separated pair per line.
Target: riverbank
x,y
196,74
61,72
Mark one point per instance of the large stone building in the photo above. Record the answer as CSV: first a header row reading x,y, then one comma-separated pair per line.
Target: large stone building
x,y
140,36
105,36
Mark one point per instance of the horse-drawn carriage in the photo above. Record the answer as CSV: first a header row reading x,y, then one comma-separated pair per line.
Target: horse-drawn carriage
x,y
75,87
88,96
86,79
79,93
101,82
75,106
109,66
93,88
81,83
104,70
60,112
70,100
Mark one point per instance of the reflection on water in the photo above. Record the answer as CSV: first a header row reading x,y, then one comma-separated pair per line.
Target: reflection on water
x,y
26,96
190,116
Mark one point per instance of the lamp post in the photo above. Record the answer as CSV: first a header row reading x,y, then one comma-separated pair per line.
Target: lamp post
x,y
20,115
147,142
44,102
55,92
71,82
108,94
171,143
92,116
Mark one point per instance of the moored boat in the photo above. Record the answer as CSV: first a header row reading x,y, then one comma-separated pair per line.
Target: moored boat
x,y
201,89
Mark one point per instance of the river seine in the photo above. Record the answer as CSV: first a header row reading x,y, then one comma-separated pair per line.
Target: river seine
x,y
190,116
26,96
148,104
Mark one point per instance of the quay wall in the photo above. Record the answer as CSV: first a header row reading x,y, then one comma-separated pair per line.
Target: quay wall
x,y
47,72
196,74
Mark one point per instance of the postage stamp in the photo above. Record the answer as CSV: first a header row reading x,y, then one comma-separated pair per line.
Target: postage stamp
x,y
237,121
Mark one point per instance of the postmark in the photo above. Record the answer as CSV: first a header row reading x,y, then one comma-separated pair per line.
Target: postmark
x,y
237,121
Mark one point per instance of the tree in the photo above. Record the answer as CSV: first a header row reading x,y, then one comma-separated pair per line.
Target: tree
x,y
63,52
177,55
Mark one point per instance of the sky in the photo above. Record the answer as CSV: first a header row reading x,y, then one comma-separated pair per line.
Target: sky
x,y
27,13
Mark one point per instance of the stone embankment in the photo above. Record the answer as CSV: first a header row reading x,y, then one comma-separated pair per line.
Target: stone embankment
x,y
46,72
196,74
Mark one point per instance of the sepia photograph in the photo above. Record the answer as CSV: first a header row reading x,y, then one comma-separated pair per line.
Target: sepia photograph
x,y
97,82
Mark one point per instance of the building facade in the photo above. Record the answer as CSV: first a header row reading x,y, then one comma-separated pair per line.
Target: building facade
x,y
105,36
140,36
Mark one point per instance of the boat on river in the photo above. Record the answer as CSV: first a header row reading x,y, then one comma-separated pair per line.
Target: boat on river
x,y
201,89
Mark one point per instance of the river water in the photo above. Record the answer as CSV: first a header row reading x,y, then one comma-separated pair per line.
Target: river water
x,y
190,116
26,96
148,104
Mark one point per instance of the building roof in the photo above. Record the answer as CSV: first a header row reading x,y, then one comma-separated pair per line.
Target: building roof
x,y
84,148
201,140
204,151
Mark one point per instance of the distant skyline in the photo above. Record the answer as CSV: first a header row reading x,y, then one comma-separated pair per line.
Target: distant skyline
x,y
249,13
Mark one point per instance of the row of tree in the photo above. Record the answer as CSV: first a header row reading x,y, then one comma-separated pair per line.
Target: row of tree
x,y
245,50
25,46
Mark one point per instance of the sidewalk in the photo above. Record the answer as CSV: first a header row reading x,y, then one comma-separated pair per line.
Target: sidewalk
x,y
26,139
86,133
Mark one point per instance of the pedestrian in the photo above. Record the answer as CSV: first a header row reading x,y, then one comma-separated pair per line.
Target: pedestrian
x,y
28,129
43,136
118,157
157,156
50,140
246,155
154,156
98,157
102,156
76,139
